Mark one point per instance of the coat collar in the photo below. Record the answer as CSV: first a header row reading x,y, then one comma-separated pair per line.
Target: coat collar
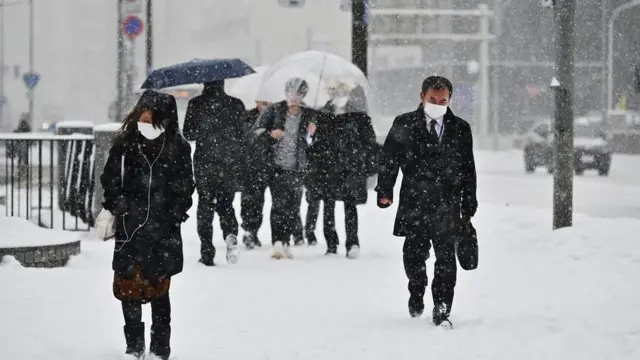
x,y
449,121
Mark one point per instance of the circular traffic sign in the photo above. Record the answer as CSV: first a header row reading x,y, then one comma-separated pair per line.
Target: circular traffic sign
x,y
132,26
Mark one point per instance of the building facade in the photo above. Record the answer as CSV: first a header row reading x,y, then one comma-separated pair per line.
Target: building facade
x,y
522,57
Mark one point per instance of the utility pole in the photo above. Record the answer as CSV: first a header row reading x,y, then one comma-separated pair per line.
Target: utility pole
x,y
563,126
485,19
149,36
359,35
2,69
612,19
120,68
31,30
495,76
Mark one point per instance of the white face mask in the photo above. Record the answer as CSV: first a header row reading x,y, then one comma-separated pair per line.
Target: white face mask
x,y
148,131
340,101
434,111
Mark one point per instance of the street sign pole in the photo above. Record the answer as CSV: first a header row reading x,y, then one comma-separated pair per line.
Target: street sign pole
x,y
2,69
359,35
149,36
563,125
31,30
119,73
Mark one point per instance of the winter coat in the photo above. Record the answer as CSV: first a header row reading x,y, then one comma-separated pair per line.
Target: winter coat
x,y
344,156
215,120
258,165
437,180
149,204
274,117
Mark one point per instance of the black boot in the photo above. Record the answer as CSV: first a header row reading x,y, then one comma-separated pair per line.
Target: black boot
x,y
416,299
416,306
160,341
134,335
207,257
311,238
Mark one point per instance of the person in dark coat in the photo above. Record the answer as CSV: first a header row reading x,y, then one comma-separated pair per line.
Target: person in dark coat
x,y
215,120
148,184
343,157
283,132
434,150
20,148
257,175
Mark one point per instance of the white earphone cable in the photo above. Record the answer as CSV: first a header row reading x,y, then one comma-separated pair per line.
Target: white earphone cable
x,y
129,238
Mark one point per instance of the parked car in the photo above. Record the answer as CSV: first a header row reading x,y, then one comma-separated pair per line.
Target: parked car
x,y
591,145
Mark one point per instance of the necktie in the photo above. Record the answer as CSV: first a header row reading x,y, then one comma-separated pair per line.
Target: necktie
x,y
433,134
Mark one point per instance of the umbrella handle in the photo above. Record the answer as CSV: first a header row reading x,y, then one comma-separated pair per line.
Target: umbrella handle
x,y
324,58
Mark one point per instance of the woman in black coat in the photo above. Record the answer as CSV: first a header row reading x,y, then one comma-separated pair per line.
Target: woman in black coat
x,y
148,184
343,157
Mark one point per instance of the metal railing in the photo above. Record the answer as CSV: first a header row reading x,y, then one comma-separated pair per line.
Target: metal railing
x,y
48,179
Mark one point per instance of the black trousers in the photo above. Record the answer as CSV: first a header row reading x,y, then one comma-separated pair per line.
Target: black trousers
x,y
160,327
415,253
213,198
252,204
329,222
286,194
252,207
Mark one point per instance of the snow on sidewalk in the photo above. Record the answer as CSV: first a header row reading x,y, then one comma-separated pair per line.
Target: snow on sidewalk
x,y
538,294
19,232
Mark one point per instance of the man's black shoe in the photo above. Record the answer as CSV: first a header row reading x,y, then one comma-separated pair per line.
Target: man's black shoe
x,y
207,261
441,316
416,306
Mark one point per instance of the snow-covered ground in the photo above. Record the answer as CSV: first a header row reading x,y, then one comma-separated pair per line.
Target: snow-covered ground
x,y
537,294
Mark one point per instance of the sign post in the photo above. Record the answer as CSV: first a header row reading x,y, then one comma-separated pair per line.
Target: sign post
x,y
563,126
132,6
130,26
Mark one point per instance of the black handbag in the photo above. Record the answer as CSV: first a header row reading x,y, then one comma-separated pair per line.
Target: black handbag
x,y
467,247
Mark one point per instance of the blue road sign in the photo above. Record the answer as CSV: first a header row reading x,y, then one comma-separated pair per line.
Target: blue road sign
x,y
132,26
31,80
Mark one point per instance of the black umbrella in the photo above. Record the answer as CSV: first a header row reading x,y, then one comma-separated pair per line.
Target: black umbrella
x,y
196,72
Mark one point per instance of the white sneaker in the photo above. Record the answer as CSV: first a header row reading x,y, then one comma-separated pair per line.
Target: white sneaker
x,y
353,252
232,249
287,252
278,251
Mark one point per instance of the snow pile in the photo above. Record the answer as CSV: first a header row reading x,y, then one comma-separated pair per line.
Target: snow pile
x,y
537,294
9,261
18,232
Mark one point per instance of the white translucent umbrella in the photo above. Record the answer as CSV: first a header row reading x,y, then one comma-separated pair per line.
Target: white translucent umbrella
x,y
272,88
246,88
335,78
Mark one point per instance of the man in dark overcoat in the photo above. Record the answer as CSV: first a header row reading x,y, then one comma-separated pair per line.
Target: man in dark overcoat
x,y
434,150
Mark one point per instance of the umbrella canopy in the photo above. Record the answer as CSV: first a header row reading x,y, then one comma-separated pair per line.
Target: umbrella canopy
x,y
246,88
335,84
197,72
272,87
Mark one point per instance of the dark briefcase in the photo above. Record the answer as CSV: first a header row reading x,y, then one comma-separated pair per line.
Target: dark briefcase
x,y
467,247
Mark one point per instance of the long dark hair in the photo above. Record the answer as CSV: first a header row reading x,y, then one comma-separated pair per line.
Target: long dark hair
x,y
164,113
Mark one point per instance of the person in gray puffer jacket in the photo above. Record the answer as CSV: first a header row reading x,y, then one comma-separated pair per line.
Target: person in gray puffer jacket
x,y
285,130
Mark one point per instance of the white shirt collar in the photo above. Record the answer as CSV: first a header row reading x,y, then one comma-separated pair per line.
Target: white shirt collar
x,y
439,120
